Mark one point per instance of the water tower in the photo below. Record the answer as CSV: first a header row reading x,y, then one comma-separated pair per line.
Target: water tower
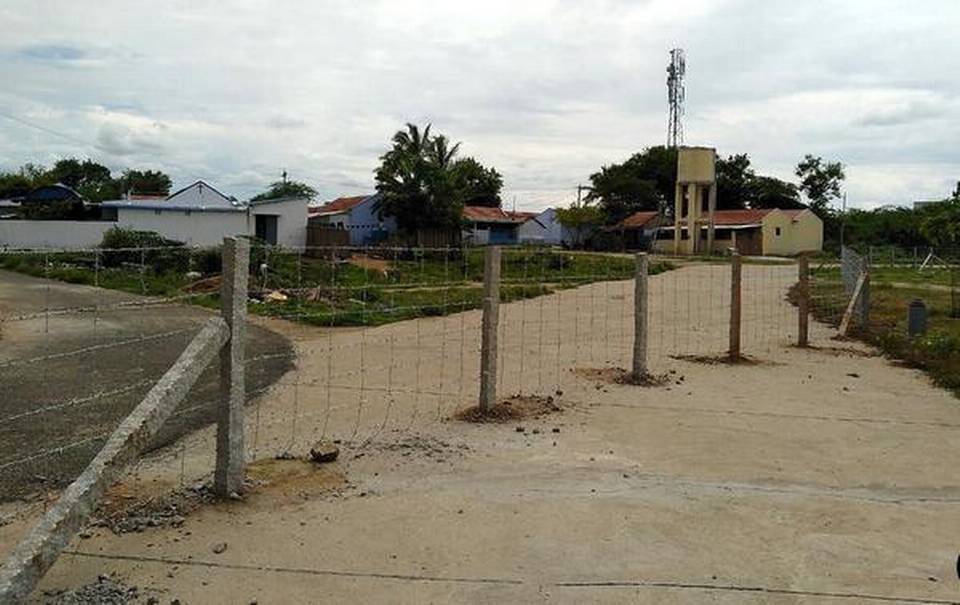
x,y
695,201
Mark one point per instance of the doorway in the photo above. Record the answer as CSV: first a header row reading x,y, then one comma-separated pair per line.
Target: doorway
x,y
266,228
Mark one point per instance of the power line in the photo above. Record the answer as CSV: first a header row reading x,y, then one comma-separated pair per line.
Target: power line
x,y
55,133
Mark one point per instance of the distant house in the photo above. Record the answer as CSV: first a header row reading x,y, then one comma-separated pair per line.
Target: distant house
x,y
489,225
545,228
767,232
639,230
58,201
357,215
201,215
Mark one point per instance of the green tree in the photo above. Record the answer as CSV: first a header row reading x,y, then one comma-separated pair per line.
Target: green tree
x,y
480,185
734,180
144,182
13,184
581,220
771,192
421,183
820,181
90,179
941,222
645,181
283,189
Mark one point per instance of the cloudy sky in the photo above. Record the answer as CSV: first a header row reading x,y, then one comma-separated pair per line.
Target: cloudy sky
x,y
546,91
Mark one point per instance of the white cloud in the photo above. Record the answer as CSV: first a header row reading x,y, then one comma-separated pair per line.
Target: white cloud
x,y
545,90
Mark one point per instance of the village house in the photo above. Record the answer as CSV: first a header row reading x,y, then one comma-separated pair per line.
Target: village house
x,y
545,229
200,215
485,225
357,215
759,232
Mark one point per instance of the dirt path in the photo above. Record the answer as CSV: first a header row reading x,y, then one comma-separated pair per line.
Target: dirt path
x,y
819,475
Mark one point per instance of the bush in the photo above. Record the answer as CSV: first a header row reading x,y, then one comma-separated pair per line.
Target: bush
x,y
129,246
207,261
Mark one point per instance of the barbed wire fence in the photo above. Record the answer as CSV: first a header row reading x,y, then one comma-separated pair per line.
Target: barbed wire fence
x,y
360,346
362,371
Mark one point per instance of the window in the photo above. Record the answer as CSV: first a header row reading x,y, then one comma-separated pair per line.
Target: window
x,y
778,231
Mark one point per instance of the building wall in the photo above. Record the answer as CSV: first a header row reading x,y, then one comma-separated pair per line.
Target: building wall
x,y
291,221
52,234
805,234
546,229
197,228
191,227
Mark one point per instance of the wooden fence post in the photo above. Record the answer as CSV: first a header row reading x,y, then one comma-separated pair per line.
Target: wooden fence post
x,y
803,303
735,305
640,317
490,325
229,474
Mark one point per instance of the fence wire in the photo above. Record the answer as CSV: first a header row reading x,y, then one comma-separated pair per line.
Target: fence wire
x,y
359,345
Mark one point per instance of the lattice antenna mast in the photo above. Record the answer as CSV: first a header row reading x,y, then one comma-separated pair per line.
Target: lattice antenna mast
x,y
676,95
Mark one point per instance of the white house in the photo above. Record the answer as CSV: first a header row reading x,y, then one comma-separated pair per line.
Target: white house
x,y
199,215
356,214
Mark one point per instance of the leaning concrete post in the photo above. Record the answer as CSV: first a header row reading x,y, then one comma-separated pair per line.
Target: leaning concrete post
x,y
38,551
735,302
803,302
640,317
229,475
491,322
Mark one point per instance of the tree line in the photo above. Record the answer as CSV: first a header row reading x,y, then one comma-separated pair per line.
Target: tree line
x,y
93,181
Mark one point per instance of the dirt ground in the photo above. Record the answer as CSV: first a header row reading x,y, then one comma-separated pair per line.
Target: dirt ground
x,y
821,475
93,366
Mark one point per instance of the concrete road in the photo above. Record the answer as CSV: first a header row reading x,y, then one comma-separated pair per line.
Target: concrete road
x,y
87,356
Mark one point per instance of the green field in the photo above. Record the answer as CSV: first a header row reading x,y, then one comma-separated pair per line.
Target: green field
x,y
937,352
369,288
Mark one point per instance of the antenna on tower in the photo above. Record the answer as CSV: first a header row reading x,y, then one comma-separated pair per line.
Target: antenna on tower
x,y
676,96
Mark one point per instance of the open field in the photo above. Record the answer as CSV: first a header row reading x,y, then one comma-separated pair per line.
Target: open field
x,y
809,476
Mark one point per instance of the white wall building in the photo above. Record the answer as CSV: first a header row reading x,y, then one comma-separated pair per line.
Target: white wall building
x,y
199,215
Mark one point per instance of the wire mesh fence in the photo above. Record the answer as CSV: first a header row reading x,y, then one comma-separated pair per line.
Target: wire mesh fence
x,y
361,345
84,334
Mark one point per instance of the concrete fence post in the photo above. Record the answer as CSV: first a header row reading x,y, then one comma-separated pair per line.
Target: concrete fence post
x,y
39,549
229,474
803,302
489,328
735,304
640,316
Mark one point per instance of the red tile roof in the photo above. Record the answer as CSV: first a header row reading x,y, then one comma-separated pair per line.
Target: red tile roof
x,y
739,217
341,204
522,215
749,217
486,214
638,219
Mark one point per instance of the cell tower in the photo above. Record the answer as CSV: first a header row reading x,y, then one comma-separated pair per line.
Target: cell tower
x,y
675,93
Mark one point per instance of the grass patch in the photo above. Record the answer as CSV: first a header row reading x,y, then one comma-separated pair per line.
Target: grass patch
x,y
371,288
937,352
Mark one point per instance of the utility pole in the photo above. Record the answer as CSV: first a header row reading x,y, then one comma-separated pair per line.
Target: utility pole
x,y
580,190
